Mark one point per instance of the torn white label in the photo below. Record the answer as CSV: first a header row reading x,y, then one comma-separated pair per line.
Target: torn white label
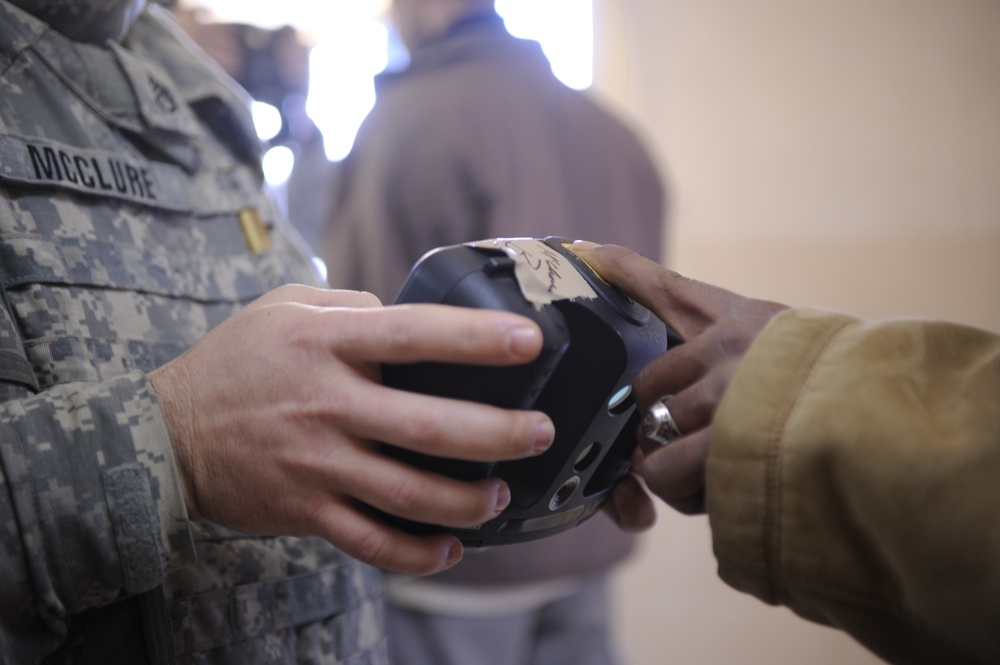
x,y
543,274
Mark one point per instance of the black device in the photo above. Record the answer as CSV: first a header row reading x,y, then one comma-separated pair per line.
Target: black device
x,y
596,339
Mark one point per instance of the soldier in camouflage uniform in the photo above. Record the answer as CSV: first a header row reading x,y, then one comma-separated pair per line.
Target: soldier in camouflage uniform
x,y
159,389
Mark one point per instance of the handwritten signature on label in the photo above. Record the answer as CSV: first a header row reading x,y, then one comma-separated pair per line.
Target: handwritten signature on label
x,y
543,274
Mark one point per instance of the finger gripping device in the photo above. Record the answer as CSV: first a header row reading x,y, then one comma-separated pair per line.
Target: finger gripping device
x,y
596,339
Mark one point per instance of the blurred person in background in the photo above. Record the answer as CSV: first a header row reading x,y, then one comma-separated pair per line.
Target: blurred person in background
x,y
273,66
476,139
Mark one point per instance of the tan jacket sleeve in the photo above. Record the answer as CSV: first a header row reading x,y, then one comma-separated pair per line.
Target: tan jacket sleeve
x,y
854,476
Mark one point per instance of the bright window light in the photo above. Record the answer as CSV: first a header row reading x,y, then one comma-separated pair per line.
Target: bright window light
x,y
315,20
266,120
341,82
355,48
565,29
277,165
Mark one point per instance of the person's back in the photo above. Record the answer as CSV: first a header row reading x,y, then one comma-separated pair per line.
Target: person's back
x,y
478,139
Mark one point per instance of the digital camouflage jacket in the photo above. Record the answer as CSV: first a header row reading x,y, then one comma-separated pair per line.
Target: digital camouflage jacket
x,y
129,196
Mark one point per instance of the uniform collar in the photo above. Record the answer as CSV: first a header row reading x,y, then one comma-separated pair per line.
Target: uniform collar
x,y
120,87
146,85
90,21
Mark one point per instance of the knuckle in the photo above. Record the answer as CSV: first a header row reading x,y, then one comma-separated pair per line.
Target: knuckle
x,y
405,496
374,548
641,384
368,299
397,328
426,429
339,406
299,337
303,518
476,509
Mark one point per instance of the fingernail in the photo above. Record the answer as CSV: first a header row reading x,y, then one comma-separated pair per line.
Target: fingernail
x,y
523,341
544,436
455,552
582,245
503,498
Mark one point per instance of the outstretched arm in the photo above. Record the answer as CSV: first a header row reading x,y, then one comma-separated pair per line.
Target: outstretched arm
x,y
849,468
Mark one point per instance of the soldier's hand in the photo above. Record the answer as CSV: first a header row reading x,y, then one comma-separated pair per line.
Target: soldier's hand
x,y
719,326
271,416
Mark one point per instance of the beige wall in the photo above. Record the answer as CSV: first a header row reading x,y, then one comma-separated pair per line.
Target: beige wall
x,y
842,154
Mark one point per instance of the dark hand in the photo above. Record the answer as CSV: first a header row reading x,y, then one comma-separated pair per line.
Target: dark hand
x,y
719,326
